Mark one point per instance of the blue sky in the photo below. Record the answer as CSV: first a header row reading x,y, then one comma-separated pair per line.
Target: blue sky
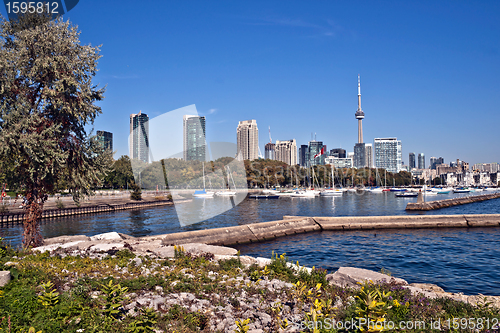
x,y
429,70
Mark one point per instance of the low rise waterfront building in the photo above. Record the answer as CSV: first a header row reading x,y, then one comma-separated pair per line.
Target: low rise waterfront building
x,y
339,163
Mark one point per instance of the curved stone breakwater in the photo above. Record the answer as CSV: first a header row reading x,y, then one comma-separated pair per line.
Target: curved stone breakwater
x,y
222,317
291,225
431,205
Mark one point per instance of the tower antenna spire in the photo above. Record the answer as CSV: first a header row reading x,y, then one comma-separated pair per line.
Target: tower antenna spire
x,y
270,140
359,87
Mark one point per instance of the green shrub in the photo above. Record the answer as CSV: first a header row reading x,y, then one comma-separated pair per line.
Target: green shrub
x,y
114,296
229,264
49,297
59,204
4,209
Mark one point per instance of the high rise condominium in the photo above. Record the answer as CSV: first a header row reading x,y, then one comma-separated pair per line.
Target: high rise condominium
x,y
194,142
247,137
369,155
388,154
411,161
317,153
286,151
139,137
270,149
421,161
303,158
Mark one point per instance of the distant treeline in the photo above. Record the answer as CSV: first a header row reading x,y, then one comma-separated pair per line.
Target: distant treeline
x,y
175,173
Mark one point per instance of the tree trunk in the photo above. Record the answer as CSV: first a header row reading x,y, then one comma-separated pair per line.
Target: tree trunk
x,y
32,236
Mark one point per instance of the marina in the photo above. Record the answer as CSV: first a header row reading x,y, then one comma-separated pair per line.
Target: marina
x,y
370,249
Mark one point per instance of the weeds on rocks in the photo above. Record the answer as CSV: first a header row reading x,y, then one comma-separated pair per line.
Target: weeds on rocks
x,y
194,293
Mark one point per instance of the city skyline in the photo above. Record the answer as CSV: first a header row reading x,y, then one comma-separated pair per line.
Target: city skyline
x,y
293,68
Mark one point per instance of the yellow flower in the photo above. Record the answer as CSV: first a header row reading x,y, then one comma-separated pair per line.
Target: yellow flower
x,y
396,303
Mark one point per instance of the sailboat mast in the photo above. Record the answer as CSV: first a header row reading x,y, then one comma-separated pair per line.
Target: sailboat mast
x,y
203,175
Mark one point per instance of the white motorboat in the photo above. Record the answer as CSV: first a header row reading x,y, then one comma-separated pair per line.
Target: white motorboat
x,y
303,194
375,190
226,193
332,193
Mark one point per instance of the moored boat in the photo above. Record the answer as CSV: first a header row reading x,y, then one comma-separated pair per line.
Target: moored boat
x,y
406,194
332,193
264,196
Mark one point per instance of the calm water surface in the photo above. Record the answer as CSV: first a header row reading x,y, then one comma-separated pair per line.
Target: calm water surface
x,y
459,260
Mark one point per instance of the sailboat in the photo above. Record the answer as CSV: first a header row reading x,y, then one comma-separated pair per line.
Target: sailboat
x,y
332,192
377,188
228,192
307,193
203,193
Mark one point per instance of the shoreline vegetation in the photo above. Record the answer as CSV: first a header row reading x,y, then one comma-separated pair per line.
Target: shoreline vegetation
x,y
114,282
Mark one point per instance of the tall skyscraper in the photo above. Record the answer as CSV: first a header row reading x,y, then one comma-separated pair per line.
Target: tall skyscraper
x,y
315,156
388,154
303,155
369,155
434,162
359,149
105,139
247,136
359,159
286,151
194,134
421,161
139,137
411,161
270,149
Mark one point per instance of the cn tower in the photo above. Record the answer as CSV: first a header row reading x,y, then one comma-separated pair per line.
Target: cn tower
x,y
360,115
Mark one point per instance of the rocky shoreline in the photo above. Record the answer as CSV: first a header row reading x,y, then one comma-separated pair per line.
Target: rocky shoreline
x,y
222,311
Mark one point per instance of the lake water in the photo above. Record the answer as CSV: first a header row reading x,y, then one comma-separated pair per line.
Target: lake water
x,y
459,260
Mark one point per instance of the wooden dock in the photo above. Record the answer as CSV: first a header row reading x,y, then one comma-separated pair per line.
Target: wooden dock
x,y
18,217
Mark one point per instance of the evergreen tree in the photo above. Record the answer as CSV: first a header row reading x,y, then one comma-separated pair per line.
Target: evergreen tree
x,y
136,193
46,100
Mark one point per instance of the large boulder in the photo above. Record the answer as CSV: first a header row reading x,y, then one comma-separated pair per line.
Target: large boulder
x,y
65,239
4,278
352,277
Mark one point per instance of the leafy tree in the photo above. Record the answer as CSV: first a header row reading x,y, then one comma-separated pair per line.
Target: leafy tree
x,y
46,100
121,174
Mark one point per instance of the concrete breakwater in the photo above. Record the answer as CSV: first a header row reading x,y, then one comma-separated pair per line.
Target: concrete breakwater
x,y
291,225
431,205
18,217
